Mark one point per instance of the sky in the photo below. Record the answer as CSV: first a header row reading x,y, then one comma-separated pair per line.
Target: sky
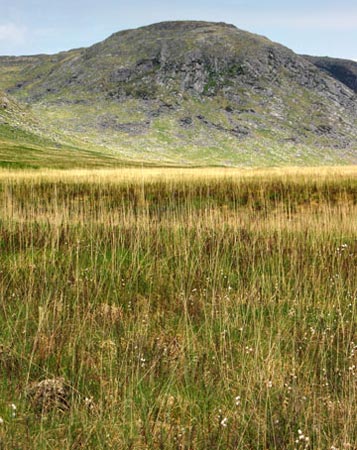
x,y
315,27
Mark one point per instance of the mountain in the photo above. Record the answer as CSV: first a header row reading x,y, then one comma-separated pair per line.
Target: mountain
x,y
189,93
342,70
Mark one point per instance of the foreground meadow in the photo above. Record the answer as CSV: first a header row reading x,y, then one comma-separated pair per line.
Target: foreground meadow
x,y
178,309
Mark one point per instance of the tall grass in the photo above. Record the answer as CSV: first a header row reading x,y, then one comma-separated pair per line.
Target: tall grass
x,y
184,309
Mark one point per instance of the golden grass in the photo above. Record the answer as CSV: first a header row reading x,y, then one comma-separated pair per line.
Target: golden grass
x,y
134,174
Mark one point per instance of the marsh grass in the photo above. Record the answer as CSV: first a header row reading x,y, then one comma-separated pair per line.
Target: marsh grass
x,y
185,309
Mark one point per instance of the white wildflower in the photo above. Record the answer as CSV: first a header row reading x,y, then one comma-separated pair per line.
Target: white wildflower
x,y
13,407
224,422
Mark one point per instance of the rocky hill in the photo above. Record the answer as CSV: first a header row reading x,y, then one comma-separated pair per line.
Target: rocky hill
x,y
343,70
191,93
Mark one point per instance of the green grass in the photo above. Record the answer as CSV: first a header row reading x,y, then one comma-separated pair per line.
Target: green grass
x,y
164,295
21,148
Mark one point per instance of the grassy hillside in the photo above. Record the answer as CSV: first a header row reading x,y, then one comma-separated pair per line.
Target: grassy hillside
x,y
166,309
25,142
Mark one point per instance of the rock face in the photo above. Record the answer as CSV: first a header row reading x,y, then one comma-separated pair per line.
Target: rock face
x,y
342,70
197,57
192,84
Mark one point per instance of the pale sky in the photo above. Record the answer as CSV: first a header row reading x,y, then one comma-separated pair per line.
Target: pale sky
x,y
315,27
